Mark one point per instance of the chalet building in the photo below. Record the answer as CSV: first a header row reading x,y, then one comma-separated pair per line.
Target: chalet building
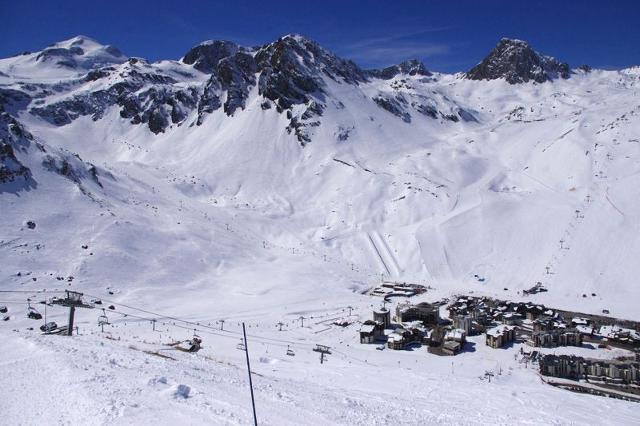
x,y
612,372
407,334
397,339
511,318
565,366
533,312
544,323
555,338
394,289
464,323
619,334
427,313
451,347
456,335
383,316
371,331
500,336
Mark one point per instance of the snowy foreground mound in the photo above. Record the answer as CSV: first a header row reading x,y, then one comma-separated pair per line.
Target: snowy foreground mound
x,y
264,184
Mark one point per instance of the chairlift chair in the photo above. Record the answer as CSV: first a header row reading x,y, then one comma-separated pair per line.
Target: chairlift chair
x,y
102,319
49,327
290,351
33,313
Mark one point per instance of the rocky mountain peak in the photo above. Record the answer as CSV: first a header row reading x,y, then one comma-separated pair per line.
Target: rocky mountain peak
x,y
517,62
292,70
206,56
409,67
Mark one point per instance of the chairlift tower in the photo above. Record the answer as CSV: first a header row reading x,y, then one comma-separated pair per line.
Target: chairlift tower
x,y
323,350
72,300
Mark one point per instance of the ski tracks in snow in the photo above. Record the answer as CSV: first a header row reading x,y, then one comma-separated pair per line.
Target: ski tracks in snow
x,y
386,256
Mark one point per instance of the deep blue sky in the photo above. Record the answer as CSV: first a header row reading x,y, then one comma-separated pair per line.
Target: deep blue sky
x,y
447,36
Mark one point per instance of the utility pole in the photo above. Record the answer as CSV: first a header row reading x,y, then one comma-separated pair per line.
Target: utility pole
x,y
246,351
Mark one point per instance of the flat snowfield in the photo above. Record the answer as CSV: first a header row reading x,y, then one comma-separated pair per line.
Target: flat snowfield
x,y
233,219
92,379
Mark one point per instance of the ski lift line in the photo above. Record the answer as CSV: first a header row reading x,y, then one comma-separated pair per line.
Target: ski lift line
x,y
161,316
215,330
215,333
33,291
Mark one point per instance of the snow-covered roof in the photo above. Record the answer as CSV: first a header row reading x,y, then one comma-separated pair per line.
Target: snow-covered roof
x,y
395,337
499,330
367,328
584,329
455,334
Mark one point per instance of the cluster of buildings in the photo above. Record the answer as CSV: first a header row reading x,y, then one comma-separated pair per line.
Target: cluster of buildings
x,y
539,326
503,322
617,334
555,338
392,289
611,372
418,324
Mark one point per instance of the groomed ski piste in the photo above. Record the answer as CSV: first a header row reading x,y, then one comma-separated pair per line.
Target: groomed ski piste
x,y
233,220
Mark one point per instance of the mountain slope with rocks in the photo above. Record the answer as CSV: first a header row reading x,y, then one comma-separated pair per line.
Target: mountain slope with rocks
x,y
517,62
272,182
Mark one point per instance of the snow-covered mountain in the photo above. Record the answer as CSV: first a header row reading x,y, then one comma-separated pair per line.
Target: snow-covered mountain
x,y
261,182
453,177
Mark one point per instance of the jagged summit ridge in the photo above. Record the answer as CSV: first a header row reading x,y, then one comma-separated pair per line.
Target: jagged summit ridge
x,y
517,62
410,67
294,75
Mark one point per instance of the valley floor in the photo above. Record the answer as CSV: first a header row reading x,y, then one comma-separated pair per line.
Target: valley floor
x,y
128,375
